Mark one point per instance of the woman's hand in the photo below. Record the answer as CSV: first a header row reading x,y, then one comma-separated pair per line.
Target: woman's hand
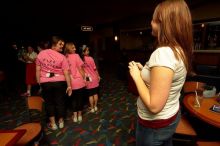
x,y
134,70
69,91
140,66
99,78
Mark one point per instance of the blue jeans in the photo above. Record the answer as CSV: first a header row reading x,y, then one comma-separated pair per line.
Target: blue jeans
x,y
156,137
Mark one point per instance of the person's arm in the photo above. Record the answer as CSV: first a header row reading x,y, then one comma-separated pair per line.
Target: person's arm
x,y
80,66
97,73
38,68
95,68
156,96
82,72
31,59
67,77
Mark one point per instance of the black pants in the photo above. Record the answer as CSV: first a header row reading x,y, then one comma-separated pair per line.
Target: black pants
x,y
54,96
78,99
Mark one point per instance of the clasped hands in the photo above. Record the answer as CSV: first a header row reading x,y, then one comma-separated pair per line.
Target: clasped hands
x,y
135,69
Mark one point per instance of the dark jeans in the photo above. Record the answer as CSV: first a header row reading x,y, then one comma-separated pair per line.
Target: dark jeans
x,y
54,96
78,99
156,137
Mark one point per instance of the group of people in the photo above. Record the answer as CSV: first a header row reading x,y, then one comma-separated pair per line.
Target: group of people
x,y
63,74
22,69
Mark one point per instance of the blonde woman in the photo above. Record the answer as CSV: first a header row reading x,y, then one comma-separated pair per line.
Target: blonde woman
x,y
77,81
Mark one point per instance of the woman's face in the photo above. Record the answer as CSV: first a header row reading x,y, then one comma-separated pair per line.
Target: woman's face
x,y
30,49
60,45
72,49
155,28
86,52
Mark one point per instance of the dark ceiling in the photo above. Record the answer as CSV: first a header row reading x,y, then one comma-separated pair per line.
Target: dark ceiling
x,y
71,12
35,16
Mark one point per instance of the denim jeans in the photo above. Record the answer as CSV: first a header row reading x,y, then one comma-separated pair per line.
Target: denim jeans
x,y
156,137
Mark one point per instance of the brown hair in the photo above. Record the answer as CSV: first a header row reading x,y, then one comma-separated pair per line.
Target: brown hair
x,y
68,45
55,40
175,23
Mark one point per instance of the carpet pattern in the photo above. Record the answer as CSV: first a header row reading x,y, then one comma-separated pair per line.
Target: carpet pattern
x,y
13,113
113,123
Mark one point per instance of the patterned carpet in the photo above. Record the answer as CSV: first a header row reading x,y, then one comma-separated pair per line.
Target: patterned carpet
x,y
112,125
13,113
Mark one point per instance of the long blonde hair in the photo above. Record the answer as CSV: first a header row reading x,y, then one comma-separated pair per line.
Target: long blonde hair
x,y
175,23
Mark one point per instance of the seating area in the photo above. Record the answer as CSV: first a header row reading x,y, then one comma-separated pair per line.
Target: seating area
x,y
188,131
34,131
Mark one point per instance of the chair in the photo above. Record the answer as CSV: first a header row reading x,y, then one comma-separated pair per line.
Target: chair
x,y
184,127
208,143
131,86
34,129
185,131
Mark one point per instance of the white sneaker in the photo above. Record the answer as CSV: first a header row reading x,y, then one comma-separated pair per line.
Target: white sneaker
x,y
92,110
79,118
26,94
61,124
74,119
96,108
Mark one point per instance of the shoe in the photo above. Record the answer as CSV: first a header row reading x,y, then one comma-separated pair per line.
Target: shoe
x,y
52,126
79,118
26,94
61,124
74,119
96,109
92,110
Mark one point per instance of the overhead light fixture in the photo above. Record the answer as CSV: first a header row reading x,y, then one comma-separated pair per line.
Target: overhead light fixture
x,y
116,38
202,25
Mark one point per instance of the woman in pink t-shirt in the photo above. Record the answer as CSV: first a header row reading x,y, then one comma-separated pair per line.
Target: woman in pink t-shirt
x,y
77,75
92,78
52,73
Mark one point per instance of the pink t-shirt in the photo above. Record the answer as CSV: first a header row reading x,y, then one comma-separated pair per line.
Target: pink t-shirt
x,y
51,63
90,68
75,62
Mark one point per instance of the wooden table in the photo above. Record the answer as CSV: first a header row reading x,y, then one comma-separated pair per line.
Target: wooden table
x,y
10,137
204,113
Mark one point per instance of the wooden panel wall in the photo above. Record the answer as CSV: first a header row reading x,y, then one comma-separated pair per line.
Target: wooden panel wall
x,y
206,58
